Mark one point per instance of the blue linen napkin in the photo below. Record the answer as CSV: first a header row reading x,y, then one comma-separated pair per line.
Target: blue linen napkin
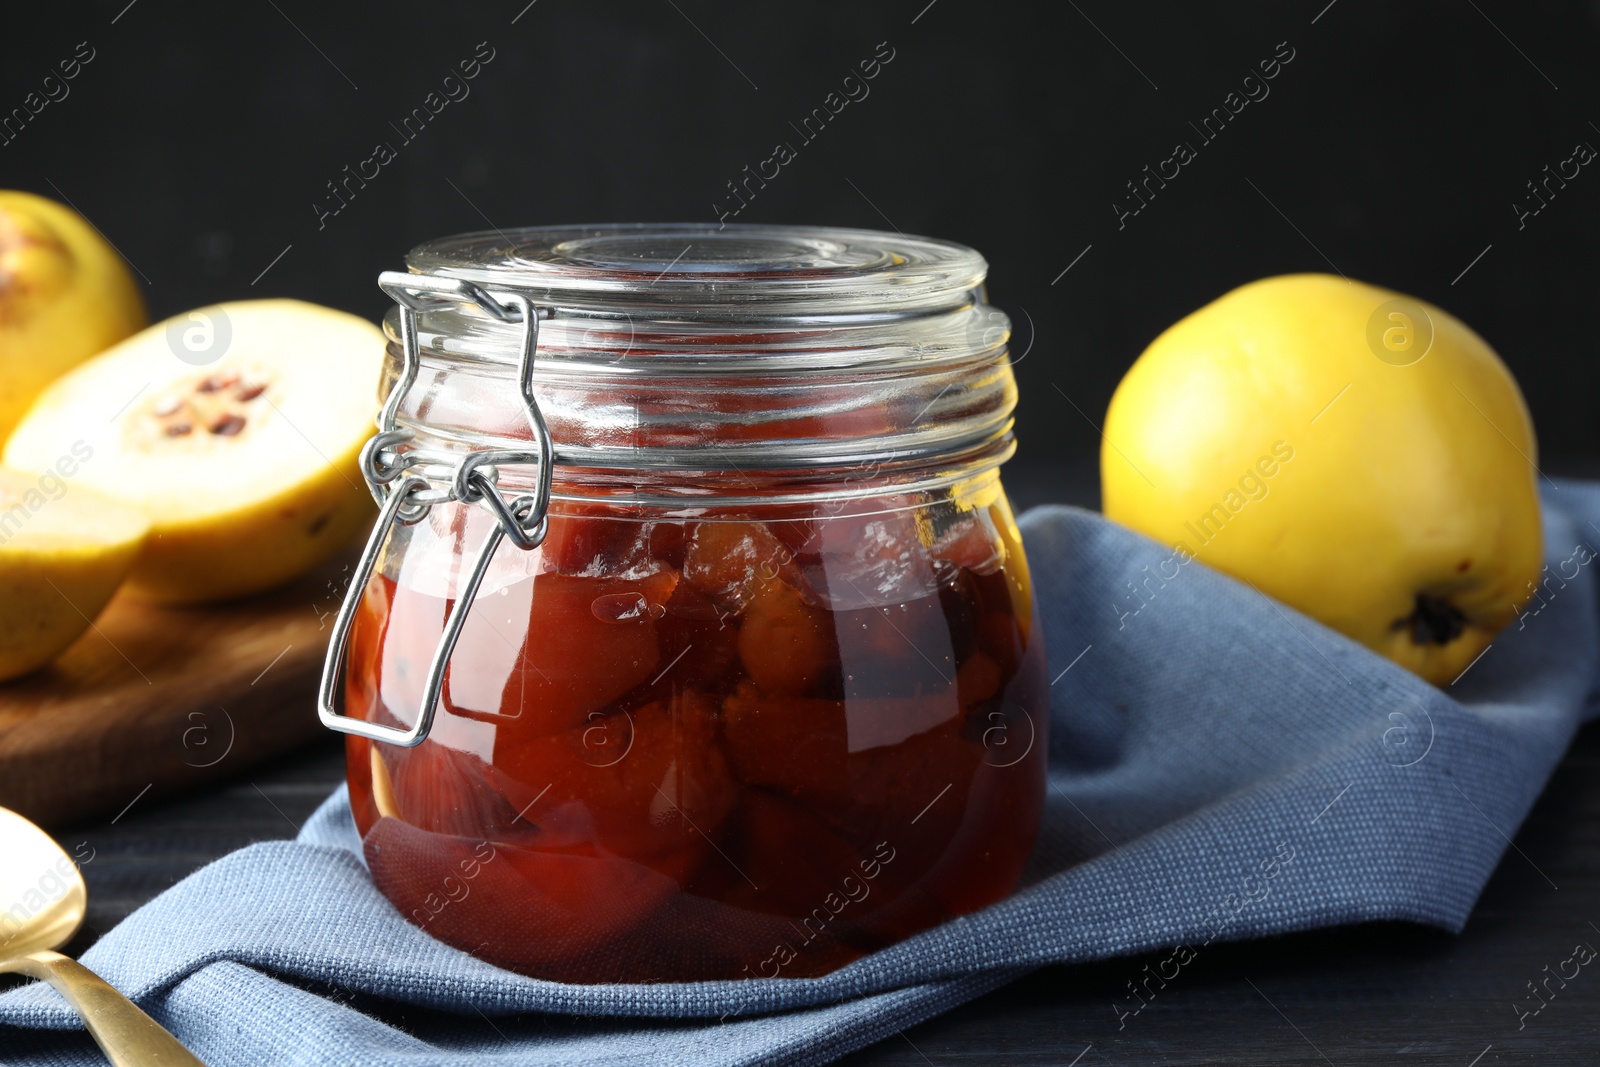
x,y
1221,768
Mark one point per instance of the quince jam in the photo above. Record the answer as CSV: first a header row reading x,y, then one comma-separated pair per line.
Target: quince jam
x,y
735,745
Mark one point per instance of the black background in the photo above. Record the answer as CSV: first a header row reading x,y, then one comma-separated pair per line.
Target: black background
x,y
1391,148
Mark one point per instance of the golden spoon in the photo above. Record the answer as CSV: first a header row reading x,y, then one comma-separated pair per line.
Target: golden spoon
x,y
44,900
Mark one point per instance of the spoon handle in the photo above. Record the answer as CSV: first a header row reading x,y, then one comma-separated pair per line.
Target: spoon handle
x,y
128,1036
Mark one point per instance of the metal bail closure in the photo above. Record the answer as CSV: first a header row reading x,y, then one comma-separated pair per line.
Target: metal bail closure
x,y
408,483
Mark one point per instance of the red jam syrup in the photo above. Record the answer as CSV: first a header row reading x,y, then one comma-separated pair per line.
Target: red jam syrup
x,y
672,750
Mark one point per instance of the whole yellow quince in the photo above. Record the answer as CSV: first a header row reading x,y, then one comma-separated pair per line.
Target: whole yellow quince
x,y
65,294
1360,455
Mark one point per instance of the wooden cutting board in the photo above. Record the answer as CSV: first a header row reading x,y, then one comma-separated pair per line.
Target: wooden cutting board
x,y
158,699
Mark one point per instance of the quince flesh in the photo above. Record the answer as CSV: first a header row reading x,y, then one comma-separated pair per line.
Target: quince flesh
x,y
65,294
63,552
246,466
1393,499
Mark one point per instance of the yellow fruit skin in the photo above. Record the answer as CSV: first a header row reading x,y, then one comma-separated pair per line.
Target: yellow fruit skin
x,y
254,549
231,514
1399,481
65,294
50,597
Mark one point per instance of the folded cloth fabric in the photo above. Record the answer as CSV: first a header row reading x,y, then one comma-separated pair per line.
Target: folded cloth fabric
x,y
1221,768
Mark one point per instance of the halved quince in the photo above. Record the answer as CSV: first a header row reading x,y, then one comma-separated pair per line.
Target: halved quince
x,y
63,552
245,465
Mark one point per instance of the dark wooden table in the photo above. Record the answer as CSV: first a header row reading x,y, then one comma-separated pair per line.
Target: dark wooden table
x,y
1380,994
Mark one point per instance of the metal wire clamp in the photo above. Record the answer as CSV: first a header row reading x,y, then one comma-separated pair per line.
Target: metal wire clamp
x,y
406,483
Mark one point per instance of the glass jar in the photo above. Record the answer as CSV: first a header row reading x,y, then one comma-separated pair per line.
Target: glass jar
x,y
695,639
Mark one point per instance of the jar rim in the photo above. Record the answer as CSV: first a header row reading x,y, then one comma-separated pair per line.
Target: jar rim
x,y
738,270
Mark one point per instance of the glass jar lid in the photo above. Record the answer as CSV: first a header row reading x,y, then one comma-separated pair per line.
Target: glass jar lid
x,y
715,271
705,349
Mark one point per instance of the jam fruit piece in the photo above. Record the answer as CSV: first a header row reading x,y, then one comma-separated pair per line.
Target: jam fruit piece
x,y
920,794
788,860
856,561
699,646
649,785
785,644
730,561
894,772
1002,617
796,747
833,755
59,568
444,785
597,546
667,543
363,678
580,652
610,833
264,484
558,914
969,543
534,657
791,895
440,789
896,650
